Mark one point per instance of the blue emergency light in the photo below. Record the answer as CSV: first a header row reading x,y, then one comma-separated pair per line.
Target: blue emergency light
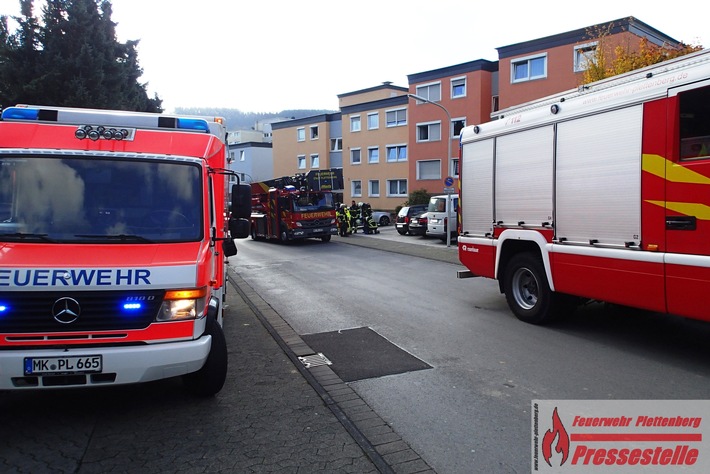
x,y
192,124
20,113
3,308
132,307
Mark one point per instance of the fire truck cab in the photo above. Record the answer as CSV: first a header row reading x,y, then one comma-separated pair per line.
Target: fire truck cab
x,y
115,230
287,209
600,193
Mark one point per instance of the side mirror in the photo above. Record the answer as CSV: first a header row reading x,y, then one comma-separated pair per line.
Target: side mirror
x,y
239,228
240,206
229,248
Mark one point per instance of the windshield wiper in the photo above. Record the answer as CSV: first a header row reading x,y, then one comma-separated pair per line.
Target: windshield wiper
x,y
26,236
115,237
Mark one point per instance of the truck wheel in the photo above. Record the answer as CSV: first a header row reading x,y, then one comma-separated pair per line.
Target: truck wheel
x,y
325,238
528,293
211,377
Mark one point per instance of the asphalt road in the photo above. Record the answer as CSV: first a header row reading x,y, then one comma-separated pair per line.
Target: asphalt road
x,y
471,411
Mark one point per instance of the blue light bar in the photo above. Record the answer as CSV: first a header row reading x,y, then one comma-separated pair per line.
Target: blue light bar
x,y
3,308
20,113
193,124
132,306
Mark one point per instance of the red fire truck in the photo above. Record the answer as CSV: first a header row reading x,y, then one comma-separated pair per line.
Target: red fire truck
x,y
114,235
600,193
287,209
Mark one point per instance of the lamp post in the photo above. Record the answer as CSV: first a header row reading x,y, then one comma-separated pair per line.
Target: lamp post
x,y
448,157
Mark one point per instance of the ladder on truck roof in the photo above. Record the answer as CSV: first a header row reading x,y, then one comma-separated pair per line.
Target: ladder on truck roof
x,y
113,121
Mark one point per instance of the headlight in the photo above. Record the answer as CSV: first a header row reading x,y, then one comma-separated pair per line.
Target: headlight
x,y
182,304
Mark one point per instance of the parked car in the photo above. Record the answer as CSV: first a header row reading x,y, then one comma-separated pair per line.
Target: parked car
x,y
440,209
404,216
418,224
381,217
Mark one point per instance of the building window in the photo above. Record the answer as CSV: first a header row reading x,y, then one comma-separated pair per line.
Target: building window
x,y
301,134
495,103
431,92
315,161
396,187
373,188
458,87
396,153
373,121
584,55
242,155
429,169
429,132
454,167
396,118
355,158
373,155
301,162
356,188
336,144
457,125
314,132
355,123
527,69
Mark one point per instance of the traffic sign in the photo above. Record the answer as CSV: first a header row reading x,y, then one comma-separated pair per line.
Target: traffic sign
x,y
449,181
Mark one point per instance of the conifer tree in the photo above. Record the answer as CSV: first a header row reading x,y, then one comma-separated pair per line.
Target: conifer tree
x,y
71,58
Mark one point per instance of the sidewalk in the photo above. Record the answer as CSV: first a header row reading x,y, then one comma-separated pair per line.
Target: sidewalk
x,y
304,419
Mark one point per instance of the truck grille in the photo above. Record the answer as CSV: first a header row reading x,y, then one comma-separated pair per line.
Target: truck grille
x,y
315,223
29,312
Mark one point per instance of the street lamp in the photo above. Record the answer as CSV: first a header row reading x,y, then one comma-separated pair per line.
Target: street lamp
x,y
448,158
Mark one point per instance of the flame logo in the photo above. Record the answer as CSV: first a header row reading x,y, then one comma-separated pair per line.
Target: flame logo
x,y
558,431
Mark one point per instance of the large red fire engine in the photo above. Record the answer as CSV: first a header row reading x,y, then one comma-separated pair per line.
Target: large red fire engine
x,y
288,209
113,246
599,193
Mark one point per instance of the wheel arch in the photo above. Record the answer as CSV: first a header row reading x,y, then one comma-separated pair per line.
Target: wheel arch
x,y
513,242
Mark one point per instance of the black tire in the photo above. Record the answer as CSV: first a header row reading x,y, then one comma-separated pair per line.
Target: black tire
x,y
384,221
283,237
528,293
401,231
210,379
325,238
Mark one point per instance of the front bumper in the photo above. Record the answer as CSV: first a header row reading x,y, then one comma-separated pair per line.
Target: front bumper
x,y
121,365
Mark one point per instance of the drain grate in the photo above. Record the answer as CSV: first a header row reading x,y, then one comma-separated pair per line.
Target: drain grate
x,y
314,360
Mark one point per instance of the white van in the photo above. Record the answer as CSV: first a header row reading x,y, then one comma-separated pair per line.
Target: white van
x,y
442,209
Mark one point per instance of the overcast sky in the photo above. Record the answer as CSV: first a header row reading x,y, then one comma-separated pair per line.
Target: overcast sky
x,y
271,55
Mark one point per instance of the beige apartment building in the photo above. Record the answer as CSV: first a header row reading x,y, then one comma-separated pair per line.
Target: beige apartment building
x,y
375,148
389,144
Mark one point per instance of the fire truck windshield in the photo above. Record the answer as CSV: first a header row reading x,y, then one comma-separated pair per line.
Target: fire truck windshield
x,y
92,199
313,201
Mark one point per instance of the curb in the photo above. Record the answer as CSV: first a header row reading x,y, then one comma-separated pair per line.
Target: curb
x,y
382,445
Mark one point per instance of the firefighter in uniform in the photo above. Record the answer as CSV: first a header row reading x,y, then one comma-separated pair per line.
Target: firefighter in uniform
x,y
369,226
354,215
343,217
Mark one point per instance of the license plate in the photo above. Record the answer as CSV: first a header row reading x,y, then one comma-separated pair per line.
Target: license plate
x,y
63,365
317,230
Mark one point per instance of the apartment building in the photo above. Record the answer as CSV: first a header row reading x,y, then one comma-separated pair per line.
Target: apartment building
x,y
252,161
444,101
392,140
546,66
375,148
303,144
479,91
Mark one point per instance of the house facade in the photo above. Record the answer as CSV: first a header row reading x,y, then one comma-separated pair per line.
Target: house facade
x,y
391,140
443,101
